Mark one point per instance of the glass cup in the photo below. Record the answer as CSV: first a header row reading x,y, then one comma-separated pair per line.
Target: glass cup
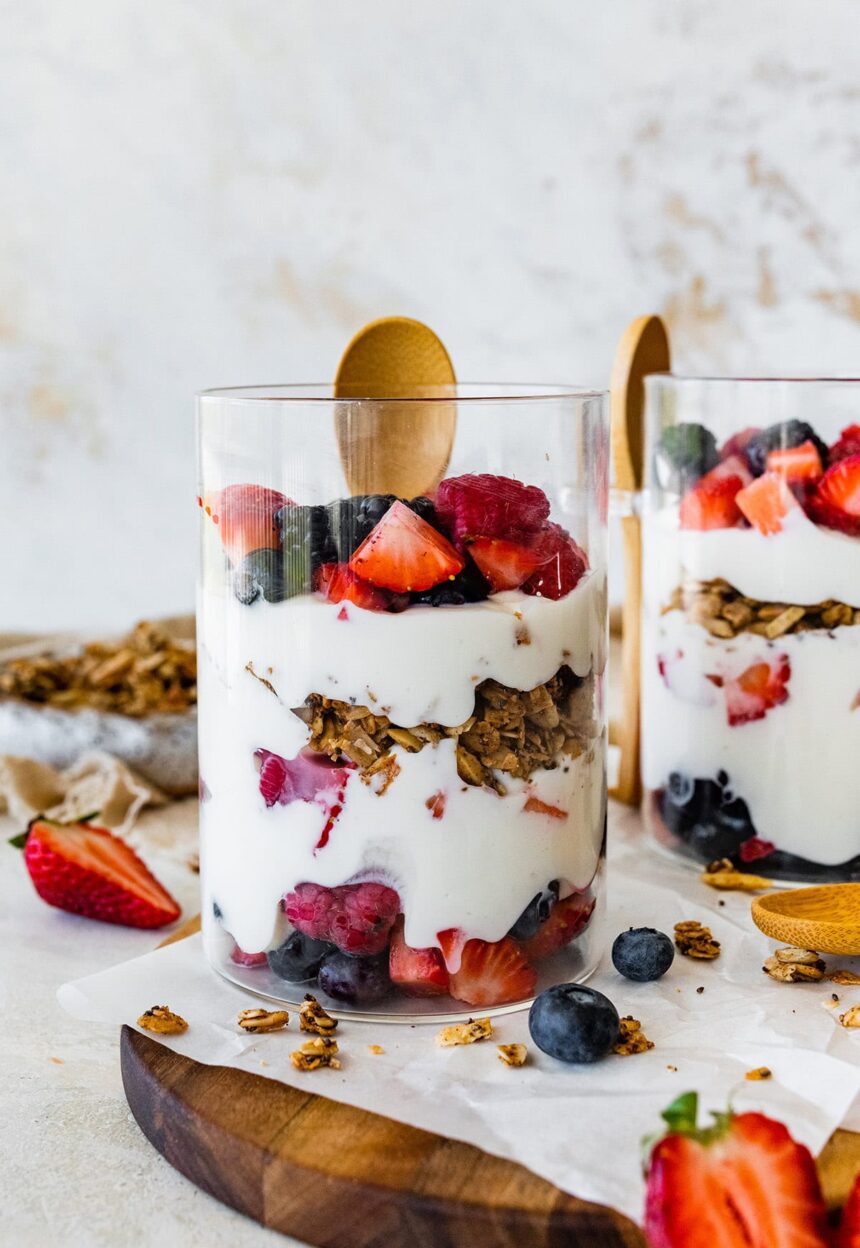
x,y
402,747
751,644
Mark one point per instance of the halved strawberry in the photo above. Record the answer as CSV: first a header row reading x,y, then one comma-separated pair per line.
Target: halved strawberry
x,y
418,972
849,1228
338,583
245,516
504,564
848,443
757,690
566,920
405,553
766,503
796,463
491,974
86,870
741,1183
710,504
836,501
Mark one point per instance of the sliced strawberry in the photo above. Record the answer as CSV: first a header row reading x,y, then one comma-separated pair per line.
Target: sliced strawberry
x,y
241,958
836,501
86,870
504,564
338,583
566,920
754,848
418,972
563,568
479,504
710,504
757,690
849,1228
766,503
535,806
452,942
796,463
405,553
741,1183
245,516
436,804
738,442
848,443
491,974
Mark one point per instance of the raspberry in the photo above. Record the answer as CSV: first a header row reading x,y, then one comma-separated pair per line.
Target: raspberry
x,y
482,505
563,570
847,444
356,917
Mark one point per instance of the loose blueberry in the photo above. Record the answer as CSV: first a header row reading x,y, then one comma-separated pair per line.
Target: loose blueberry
x,y
355,979
535,913
299,958
642,954
574,1023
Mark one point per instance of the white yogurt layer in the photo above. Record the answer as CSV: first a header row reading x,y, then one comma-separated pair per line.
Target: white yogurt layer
x,y
796,768
478,866
803,564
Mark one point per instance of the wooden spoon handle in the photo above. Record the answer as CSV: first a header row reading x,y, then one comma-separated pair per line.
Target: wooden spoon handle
x,y
643,349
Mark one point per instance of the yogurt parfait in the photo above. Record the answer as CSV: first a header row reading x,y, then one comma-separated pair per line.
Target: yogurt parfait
x,y
401,742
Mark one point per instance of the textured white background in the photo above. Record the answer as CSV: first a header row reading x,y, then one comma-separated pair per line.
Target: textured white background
x,y
204,192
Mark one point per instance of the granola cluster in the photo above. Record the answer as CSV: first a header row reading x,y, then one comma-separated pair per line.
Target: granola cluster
x,y
631,1038
694,940
794,966
511,732
147,673
718,607
163,1021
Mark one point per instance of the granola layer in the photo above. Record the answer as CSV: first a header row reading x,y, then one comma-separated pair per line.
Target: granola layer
x,y
725,612
511,732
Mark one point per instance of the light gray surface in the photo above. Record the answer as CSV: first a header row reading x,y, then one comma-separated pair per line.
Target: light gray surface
x,y
76,1169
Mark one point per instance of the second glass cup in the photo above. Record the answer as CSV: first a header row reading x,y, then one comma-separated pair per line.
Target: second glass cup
x,y
402,743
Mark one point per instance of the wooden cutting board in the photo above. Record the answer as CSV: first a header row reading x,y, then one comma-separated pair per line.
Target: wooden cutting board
x,y
339,1177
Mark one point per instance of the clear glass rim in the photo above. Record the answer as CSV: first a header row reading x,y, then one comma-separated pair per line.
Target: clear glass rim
x,y
462,392
682,379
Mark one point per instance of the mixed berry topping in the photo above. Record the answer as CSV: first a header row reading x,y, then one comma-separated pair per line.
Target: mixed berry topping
x,y
358,918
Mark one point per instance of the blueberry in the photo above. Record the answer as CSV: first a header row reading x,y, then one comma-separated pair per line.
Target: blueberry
x,y
351,520
535,913
299,957
680,788
355,979
467,586
684,454
574,1023
783,436
260,573
217,911
424,508
306,541
642,954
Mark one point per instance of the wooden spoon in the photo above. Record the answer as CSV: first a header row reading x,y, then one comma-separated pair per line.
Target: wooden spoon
x,y
394,448
643,349
825,918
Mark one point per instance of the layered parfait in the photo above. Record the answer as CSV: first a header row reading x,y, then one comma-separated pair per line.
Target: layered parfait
x,y
400,743
751,654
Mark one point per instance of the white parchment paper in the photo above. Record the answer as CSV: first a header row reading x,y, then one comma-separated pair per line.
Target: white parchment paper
x,y
577,1126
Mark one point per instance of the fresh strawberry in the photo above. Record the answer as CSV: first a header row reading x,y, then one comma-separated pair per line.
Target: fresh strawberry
x,y
754,848
566,920
491,974
418,972
710,504
738,442
732,466
405,553
836,501
741,1183
535,806
562,570
436,804
482,505
766,503
338,583
245,516
505,564
241,958
452,942
848,443
86,870
848,1235
796,463
757,690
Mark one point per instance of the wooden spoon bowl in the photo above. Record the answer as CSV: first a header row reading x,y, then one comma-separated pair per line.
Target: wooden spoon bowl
x,y
825,918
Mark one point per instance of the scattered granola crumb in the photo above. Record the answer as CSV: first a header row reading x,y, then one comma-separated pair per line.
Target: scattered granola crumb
x,y
721,902
723,875
695,941
674,1069
313,1018
760,1072
264,1063
841,976
700,989
376,1049
632,1038
794,966
262,1020
851,1017
321,1051
523,636
160,1019
513,1054
465,1033
58,1061
193,863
